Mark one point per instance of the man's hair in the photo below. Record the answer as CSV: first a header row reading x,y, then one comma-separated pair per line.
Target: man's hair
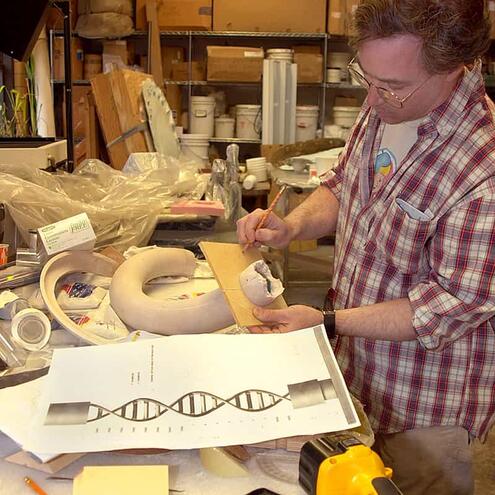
x,y
453,32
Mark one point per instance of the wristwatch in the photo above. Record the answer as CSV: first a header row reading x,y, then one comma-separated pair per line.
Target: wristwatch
x,y
329,322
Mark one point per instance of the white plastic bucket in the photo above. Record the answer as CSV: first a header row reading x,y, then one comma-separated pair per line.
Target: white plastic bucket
x,y
203,115
224,127
345,116
195,147
248,121
306,122
339,60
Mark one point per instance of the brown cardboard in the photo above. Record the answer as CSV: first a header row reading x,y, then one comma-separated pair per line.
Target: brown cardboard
x,y
115,51
234,63
171,55
294,16
58,58
337,17
490,7
351,7
227,262
178,14
180,71
309,67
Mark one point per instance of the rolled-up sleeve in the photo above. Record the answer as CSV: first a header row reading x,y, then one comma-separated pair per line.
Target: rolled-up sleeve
x,y
459,295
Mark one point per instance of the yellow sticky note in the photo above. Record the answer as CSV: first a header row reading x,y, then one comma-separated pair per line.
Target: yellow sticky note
x,y
121,480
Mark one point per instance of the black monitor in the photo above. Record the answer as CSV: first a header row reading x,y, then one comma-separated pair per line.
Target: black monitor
x,y
21,22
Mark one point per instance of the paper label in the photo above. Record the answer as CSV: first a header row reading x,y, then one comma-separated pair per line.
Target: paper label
x,y
336,15
71,233
253,54
205,11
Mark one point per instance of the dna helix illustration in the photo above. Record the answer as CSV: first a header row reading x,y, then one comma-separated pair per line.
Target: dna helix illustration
x,y
193,404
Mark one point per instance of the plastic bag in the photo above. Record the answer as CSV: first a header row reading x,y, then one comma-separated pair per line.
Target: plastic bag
x,y
123,210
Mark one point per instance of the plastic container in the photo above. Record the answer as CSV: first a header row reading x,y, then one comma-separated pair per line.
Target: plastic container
x,y
195,147
334,75
248,121
203,115
224,127
306,122
280,54
31,329
339,60
345,116
258,168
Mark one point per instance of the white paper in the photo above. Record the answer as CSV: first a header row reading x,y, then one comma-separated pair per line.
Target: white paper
x,y
189,391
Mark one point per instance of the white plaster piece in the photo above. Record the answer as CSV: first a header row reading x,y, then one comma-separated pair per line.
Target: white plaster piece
x,y
201,314
64,264
160,119
259,285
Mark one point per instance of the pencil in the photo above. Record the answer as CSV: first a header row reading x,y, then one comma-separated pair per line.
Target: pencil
x,y
265,215
34,486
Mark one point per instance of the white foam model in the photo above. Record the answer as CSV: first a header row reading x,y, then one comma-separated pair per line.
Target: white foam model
x,y
259,285
64,264
201,314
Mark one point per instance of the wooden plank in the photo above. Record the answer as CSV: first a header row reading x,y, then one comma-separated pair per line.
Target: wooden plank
x,y
227,262
118,104
155,54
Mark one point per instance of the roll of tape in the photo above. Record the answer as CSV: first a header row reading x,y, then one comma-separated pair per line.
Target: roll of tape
x,y
31,329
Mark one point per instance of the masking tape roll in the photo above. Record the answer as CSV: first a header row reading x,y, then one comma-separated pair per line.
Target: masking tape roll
x,y
31,329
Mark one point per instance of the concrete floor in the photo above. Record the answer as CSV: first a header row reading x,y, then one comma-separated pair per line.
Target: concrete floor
x,y
484,454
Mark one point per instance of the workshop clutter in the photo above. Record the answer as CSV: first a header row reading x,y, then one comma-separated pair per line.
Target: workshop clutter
x,y
122,207
234,63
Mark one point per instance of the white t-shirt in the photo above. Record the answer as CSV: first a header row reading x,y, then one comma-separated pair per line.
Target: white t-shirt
x,y
397,140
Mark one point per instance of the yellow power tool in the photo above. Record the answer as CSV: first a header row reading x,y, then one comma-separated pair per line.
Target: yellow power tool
x,y
341,465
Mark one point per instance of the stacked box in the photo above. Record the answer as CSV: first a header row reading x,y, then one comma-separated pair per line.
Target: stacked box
x,y
234,63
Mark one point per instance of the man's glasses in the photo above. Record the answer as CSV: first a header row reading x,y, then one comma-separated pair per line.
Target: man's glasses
x,y
388,96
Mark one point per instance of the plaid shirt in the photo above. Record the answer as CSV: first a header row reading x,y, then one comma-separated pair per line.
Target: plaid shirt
x,y
444,262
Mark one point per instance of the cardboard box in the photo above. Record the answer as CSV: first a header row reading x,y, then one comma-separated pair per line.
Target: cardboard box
x,y
309,62
77,60
115,52
180,71
293,16
177,14
490,7
351,7
171,55
235,63
337,16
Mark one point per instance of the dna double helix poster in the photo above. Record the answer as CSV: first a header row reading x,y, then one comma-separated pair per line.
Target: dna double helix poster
x,y
192,391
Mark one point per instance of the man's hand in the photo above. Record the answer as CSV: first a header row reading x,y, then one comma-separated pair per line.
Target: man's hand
x,y
286,320
275,232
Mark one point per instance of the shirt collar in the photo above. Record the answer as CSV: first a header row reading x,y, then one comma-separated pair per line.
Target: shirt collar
x,y
446,117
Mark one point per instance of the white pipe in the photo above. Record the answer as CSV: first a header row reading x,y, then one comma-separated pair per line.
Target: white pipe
x,y
43,90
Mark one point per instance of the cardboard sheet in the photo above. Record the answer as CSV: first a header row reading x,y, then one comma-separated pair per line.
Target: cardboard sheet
x,y
227,262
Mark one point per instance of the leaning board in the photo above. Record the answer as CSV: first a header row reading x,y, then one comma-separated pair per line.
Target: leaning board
x,y
227,262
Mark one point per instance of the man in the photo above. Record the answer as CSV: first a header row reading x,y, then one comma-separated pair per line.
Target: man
x,y
412,203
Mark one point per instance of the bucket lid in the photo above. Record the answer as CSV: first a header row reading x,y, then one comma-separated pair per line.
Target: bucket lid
x,y
308,107
280,50
225,119
248,107
203,98
347,109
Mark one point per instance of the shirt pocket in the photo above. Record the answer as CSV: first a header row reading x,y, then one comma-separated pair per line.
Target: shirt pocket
x,y
399,240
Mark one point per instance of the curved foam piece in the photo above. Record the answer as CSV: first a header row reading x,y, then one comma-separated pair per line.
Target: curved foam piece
x,y
259,285
64,264
201,314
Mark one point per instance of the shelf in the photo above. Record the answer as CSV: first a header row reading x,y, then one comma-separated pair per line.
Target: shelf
x,y
218,34
344,85
235,140
230,83
77,82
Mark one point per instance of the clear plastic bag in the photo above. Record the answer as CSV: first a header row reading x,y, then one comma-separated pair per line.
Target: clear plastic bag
x,y
123,209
